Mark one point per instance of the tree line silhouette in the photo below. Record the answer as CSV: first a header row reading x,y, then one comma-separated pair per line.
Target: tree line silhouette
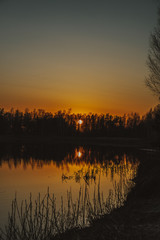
x,y
64,123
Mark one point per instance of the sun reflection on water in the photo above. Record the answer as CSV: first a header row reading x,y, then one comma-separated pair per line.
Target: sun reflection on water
x,y
79,154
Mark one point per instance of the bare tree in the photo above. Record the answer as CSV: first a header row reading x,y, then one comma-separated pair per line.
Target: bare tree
x,y
153,62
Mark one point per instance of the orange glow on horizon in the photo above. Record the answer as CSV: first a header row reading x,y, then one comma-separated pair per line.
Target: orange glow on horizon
x,y
71,67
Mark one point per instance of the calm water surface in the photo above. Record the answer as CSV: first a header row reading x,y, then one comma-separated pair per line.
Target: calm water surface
x,y
32,169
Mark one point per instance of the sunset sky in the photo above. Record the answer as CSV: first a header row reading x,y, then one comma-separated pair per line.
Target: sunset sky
x,y
88,55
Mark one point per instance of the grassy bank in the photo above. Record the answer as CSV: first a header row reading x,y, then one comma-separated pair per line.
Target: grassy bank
x,y
139,218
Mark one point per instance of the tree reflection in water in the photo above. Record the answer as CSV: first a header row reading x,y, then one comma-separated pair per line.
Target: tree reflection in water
x,y
91,167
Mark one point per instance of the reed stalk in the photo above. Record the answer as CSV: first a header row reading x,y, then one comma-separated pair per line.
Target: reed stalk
x,y
40,219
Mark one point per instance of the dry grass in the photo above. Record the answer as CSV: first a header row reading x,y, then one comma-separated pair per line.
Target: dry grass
x,y
40,219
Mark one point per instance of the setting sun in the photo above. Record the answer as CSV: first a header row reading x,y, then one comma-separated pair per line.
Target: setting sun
x,y
80,122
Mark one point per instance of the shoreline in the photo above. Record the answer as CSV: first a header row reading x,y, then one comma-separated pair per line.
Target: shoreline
x,y
103,141
138,219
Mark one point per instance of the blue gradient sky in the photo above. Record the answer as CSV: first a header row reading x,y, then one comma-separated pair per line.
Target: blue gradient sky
x,y
86,55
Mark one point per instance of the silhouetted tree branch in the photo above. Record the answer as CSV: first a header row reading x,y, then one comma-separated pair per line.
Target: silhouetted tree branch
x,y
153,80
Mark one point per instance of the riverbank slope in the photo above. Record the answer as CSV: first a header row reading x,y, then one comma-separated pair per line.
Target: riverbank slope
x,y
139,218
